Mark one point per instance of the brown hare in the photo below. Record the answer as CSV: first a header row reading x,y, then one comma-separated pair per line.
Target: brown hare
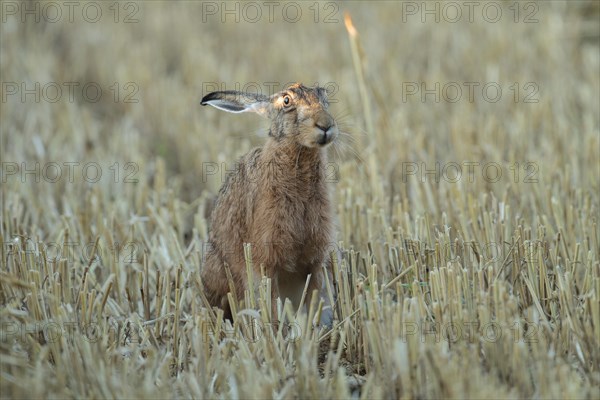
x,y
277,200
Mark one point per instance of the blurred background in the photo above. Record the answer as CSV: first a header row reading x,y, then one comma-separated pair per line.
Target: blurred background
x,y
100,106
509,83
466,123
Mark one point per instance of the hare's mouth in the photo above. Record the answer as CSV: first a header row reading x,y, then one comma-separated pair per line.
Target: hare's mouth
x,y
324,139
325,135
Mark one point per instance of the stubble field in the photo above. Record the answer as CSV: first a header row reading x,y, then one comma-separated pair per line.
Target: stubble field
x,y
466,192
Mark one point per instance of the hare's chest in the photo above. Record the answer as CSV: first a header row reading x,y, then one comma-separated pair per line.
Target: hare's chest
x,y
317,226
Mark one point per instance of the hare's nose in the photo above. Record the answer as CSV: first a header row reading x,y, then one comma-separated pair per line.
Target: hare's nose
x,y
324,137
324,128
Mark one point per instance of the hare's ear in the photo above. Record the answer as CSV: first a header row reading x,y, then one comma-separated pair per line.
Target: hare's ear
x,y
237,102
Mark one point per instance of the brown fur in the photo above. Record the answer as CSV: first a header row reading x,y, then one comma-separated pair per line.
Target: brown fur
x,y
277,200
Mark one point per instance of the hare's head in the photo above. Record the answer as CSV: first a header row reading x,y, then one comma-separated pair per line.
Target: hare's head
x,y
297,112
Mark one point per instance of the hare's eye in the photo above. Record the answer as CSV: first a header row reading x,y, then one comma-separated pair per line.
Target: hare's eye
x,y
286,100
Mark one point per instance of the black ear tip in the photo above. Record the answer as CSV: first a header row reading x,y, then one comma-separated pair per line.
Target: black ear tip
x,y
209,97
